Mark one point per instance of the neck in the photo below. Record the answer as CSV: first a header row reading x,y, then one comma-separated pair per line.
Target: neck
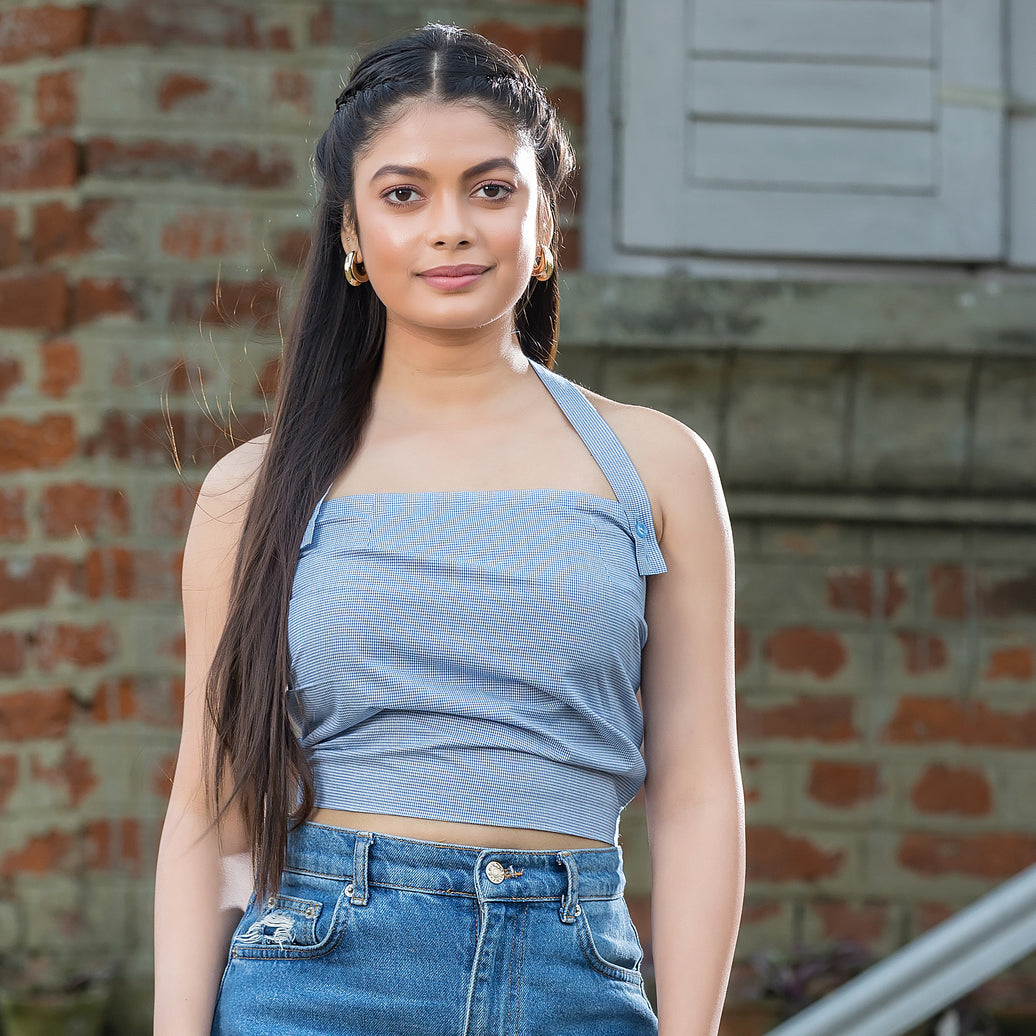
x,y
447,374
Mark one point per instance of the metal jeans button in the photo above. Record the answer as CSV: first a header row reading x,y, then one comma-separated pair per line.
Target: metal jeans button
x,y
495,871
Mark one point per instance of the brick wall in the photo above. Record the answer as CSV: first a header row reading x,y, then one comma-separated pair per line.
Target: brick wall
x,y
154,193
153,214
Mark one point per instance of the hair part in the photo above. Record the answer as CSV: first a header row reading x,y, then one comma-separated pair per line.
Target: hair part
x,y
329,367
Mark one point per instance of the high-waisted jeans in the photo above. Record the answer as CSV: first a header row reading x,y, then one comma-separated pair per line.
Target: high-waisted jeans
x,y
389,936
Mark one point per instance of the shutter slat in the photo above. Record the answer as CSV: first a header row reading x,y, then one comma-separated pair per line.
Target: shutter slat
x,y
850,29
793,90
804,157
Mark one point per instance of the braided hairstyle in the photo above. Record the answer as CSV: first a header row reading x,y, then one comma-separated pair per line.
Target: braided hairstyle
x,y
329,366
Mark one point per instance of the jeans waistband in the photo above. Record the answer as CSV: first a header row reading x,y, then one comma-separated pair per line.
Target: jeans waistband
x,y
368,858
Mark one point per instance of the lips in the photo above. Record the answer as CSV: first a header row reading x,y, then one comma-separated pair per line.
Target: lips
x,y
453,278
464,270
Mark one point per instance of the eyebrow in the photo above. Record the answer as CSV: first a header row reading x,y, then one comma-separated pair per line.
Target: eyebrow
x,y
416,173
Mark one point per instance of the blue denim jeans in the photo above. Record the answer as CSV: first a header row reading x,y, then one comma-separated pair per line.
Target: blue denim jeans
x,y
389,936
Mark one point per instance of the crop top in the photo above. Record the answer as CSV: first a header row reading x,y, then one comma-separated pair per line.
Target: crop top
x,y
475,655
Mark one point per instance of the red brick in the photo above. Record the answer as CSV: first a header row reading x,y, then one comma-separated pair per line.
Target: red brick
x,y
142,437
233,303
928,915
268,379
61,369
292,247
293,88
73,775
230,165
171,509
45,443
113,844
205,233
803,649
75,508
10,247
742,647
948,789
14,524
178,379
177,86
749,768
175,647
930,720
163,25
820,719
37,301
97,297
852,590
32,584
1011,663
1009,598
10,375
864,925
59,643
59,231
38,163
9,106
110,572
25,715
639,907
41,854
922,652
162,779
57,101
949,588
990,856
776,856
12,652
157,700
8,778
568,100
30,31
544,45
843,785
156,574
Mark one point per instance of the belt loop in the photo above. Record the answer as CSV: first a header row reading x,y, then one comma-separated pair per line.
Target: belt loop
x,y
570,907
363,841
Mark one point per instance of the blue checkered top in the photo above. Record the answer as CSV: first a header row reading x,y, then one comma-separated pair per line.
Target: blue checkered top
x,y
475,655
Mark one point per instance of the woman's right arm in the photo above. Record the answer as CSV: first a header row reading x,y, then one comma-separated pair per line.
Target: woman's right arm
x,y
200,889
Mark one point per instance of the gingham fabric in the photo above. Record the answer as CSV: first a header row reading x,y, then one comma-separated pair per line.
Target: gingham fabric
x,y
475,655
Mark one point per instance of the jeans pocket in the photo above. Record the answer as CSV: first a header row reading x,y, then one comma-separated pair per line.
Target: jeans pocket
x,y
608,939
305,918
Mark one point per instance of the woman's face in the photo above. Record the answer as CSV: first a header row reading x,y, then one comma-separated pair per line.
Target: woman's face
x,y
446,207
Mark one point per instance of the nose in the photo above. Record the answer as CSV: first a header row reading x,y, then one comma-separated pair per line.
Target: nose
x,y
449,222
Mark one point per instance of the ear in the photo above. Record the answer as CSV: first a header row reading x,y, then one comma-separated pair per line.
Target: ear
x,y
546,226
350,239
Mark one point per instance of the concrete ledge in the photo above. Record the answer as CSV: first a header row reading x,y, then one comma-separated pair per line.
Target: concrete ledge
x,y
896,508
968,316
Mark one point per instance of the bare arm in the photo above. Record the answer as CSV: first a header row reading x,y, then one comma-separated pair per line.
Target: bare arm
x,y
693,794
201,891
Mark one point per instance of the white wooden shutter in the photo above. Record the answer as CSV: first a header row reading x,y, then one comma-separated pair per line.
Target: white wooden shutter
x,y
1022,148
857,128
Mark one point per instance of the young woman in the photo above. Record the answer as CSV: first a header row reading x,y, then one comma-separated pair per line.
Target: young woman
x,y
417,616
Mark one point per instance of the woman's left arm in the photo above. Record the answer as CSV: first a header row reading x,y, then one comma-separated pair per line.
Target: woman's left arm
x,y
693,793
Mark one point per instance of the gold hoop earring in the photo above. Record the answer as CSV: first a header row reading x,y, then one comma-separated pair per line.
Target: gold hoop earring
x,y
543,269
355,271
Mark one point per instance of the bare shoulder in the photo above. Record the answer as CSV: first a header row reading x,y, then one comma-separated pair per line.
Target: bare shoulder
x,y
674,462
228,485
220,511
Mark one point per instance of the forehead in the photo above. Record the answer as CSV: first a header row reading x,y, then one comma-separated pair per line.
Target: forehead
x,y
440,136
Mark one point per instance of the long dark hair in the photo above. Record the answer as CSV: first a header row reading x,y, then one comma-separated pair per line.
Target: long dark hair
x,y
330,363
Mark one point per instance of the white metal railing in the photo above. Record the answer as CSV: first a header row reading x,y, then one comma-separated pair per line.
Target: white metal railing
x,y
915,983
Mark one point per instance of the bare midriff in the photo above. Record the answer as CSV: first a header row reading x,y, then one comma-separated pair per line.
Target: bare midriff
x,y
453,832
